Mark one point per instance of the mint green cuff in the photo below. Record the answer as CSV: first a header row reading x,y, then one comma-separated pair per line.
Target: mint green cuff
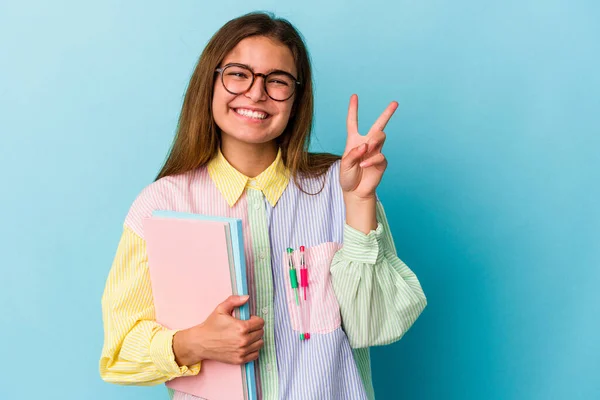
x,y
362,248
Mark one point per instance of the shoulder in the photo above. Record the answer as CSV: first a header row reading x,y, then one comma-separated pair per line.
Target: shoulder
x,y
322,166
325,185
334,170
164,194
332,176
330,181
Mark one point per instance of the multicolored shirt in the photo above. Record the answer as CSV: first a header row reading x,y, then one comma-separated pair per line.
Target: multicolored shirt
x,y
361,293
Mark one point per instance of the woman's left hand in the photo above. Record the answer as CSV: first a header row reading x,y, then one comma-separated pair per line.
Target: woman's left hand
x,y
363,164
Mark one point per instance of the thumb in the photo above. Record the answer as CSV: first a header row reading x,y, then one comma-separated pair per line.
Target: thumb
x,y
230,303
354,156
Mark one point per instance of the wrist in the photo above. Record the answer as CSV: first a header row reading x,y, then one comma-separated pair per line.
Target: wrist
x,y
361,212
185,354
351,198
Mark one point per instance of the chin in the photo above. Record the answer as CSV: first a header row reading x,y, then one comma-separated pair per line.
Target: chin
x,y
250,136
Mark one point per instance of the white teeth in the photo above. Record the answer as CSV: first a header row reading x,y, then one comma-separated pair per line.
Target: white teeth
x,y
251,114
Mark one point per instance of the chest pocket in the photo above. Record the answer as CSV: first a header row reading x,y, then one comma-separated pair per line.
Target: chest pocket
x,y
319,312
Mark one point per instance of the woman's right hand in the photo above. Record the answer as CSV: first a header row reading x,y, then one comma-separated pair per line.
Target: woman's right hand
x,y
221,337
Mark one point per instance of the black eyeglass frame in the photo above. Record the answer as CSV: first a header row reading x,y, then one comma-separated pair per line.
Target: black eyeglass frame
x,y
254,75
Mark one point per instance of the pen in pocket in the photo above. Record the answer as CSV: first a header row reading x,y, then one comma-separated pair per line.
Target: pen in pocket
x,y
293,274
303,272
304,285
294,284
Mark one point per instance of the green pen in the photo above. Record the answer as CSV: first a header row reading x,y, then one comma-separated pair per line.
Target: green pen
x,y
293,275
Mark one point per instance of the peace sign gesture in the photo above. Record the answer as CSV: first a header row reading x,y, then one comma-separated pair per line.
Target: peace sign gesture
x,y
363,163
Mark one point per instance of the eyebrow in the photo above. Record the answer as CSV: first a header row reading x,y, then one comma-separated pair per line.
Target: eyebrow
x,y
266,73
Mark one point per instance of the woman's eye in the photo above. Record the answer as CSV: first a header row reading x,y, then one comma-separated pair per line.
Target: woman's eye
x,y
278,82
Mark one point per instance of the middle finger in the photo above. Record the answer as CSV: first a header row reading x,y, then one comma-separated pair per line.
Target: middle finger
x,y
384,118
256,335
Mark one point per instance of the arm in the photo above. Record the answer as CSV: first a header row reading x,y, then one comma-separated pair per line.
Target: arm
x,y
137,350
379,296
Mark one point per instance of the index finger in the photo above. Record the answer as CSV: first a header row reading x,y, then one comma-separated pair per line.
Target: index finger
x,y
352,121
384,118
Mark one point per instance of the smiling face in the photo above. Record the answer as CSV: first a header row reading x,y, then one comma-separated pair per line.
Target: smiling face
x,y
253,117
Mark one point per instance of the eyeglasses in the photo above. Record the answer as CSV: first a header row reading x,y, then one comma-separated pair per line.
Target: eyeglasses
x,y
239,78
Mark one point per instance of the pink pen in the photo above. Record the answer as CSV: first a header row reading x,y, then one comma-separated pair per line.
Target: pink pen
x,y
303,280
303,272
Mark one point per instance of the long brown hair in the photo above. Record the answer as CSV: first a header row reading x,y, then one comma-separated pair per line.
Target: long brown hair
x,y
198,138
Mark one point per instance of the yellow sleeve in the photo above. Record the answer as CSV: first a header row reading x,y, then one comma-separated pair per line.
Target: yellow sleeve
x,y
137,350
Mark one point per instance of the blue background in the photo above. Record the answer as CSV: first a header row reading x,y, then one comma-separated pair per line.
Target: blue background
x,y
492,188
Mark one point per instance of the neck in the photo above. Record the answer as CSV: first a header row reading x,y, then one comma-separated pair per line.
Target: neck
x,y
249,158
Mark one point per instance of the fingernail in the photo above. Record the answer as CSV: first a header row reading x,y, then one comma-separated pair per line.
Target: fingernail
x,y
243,297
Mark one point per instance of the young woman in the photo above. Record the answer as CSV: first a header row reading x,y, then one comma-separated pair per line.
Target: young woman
x,y
241,150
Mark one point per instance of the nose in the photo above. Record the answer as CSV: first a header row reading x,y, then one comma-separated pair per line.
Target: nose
x,y
257,91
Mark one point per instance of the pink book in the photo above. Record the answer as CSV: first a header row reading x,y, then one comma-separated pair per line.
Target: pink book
x,y
192,271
